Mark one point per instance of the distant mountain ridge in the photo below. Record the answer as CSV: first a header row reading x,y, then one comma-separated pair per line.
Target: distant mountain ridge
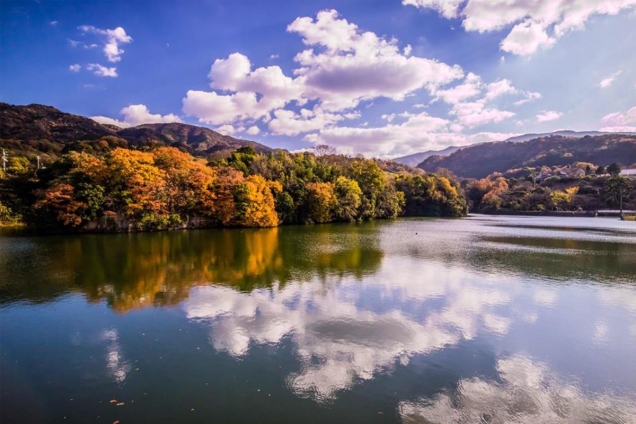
x,y
562,133
44,129
417,158
481,160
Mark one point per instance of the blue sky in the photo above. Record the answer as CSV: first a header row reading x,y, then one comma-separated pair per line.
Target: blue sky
x,y
383,78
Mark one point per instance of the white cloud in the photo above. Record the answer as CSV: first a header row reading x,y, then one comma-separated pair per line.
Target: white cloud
x,y
137,115
53,23
75,68
499,88
218,109
418,132
227,129
606,82
102,71
526,38
549,115
343,67
526,391
538,23
356,65
530,96
620,122
253,130
286,122
471,87
112,39
447,8
472,114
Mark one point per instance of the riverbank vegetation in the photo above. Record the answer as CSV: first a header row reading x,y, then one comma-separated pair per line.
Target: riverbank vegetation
x,y
164,187
579,187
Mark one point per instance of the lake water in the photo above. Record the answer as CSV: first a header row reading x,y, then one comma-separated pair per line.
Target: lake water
x,y
484,319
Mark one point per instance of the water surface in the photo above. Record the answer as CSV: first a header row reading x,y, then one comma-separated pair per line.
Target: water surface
x,y
484,319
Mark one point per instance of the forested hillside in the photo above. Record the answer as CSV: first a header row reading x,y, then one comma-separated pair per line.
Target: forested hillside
x,y
45,131
481,160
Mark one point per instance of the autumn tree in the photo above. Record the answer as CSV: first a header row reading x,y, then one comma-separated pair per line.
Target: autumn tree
x,y
349,199
254,202
139,187
322,201
188,182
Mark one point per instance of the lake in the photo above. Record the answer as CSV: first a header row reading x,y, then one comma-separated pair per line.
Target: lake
x,y
483,319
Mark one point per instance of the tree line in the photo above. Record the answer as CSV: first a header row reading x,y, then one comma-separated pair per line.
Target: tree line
x,y
582,186
163,188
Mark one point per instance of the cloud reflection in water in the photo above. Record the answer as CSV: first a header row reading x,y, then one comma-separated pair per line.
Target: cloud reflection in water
x,y
527,393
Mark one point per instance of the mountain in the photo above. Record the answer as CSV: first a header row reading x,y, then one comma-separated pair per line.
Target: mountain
x,y
563,133
417,158
40,129
480,160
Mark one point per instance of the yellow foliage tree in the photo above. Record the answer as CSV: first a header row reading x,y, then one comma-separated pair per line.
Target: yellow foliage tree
x,y
321,200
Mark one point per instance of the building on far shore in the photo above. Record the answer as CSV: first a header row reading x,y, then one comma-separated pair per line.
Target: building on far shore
x,y
629,173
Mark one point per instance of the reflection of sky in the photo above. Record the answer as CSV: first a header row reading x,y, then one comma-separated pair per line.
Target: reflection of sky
x,y
527,393
345,330
116,365
351,331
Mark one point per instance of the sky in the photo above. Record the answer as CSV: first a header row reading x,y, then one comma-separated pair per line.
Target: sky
x,y
380,78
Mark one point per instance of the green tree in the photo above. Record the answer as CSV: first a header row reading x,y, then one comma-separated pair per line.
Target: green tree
x,y
614,169
616,190
349,198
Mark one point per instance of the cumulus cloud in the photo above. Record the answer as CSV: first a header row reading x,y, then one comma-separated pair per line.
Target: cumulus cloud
x,y
400,139
549,115
343,67
470,88
620,122
253,130
286,122
101,70
536,24
137,115
75,68
355,65
499,88
525,392
471,114
606,82
111,38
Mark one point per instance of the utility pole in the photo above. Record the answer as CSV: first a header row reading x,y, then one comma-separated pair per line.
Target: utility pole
x,y
38,158
4,162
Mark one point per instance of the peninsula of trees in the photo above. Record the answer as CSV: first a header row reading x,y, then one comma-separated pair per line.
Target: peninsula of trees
x,y
164,188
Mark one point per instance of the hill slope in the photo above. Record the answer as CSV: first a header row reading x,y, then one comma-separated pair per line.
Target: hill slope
x,y
480,160
40,129
417,158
